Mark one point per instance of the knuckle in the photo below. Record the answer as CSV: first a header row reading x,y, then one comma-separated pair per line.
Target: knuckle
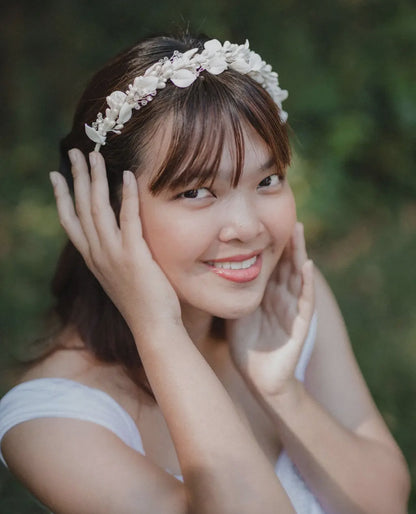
x,y
89,262
95,210
75,172
65,220
96,264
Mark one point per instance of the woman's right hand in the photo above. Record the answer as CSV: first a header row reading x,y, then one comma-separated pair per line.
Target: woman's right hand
x,y
118,256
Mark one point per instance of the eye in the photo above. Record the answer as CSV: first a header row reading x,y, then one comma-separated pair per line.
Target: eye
x,y
197,194
270,181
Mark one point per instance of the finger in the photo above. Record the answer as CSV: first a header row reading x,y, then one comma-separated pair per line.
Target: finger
x,y
82,190
299,258
130,224
283,271
306,302
67,215
295,283
102,213
305,305
299,247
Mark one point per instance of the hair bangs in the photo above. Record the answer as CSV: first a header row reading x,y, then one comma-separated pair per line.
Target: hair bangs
x,y
212,113
199,130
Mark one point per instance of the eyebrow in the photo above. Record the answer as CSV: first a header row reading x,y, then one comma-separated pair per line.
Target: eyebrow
x,y
269,164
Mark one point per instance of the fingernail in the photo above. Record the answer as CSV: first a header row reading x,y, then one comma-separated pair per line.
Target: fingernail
x,y
53,177
126,177
93,159
72,156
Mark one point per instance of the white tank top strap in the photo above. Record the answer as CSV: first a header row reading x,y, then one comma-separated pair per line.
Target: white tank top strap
x,y
301,497
63,398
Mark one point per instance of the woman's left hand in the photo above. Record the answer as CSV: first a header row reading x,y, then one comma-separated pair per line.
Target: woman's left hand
x,y
266,344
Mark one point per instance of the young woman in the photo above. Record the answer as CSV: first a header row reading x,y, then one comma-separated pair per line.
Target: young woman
x,y
201,364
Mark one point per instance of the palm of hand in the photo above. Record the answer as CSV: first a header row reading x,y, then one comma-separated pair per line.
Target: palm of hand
x,y
266,344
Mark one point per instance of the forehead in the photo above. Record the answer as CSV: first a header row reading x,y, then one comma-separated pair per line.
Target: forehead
x,y
173,159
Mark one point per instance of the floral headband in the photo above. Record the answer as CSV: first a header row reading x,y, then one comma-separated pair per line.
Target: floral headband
x,y
182,70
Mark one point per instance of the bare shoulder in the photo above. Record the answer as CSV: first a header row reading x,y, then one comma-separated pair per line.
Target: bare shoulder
x,y
77,467
333,375
72,361
105,474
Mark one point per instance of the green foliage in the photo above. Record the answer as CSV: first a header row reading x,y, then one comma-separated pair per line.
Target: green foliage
x,y
350,69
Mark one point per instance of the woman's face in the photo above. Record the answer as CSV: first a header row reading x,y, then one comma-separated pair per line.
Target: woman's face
x,y
218,245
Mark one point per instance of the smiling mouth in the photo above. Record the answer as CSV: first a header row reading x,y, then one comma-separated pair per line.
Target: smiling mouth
x,y
238,268
234,265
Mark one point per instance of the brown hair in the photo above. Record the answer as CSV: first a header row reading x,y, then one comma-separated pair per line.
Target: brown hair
x,y
212,110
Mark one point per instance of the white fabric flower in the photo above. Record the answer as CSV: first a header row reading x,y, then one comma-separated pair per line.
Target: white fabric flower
x,y
106,125
145,84
212,46
125,113
183,78
94,135
116,99
241,66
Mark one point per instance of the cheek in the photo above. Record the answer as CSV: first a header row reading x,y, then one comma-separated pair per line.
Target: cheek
x,y
174,240
282,219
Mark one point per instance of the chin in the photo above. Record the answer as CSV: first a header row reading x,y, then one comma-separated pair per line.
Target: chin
x,y
222,303
236,310
237,314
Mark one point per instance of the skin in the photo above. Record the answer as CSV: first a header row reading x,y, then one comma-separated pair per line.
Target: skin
x,y
184,233
224,408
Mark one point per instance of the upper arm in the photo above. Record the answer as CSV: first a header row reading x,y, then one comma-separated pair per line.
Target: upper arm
x,y
78,467
333,376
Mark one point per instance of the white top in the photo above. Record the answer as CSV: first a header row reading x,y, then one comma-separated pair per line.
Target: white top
x,y
63,398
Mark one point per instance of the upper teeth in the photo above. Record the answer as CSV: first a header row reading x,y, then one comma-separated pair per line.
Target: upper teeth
x,y
234,264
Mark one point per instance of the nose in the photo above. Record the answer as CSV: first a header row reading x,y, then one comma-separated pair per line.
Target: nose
x,y
240,220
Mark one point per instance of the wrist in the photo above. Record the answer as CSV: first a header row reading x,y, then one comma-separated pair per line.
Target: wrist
x,y
157,330
289,398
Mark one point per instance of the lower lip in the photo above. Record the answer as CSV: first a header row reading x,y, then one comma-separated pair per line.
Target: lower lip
x,y
240,275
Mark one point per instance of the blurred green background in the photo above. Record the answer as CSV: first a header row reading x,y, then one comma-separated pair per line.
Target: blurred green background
x,y
350,68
